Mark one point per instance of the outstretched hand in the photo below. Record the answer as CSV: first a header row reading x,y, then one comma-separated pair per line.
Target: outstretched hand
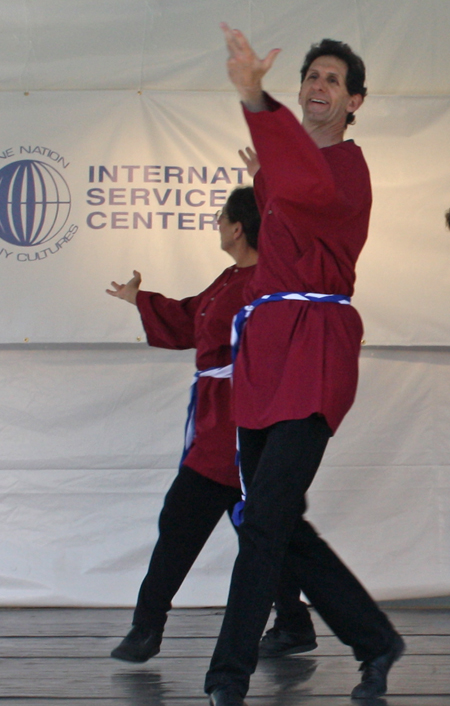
x,y
245,68
250,159
127,291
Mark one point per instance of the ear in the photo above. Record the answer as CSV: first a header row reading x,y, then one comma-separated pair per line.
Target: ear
x,y
354,102
238,230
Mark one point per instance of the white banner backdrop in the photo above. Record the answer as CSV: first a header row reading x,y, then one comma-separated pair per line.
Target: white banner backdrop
x,y
90,444
95,184
120,109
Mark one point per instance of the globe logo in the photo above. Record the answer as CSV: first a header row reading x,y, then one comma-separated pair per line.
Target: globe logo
x,y
34,202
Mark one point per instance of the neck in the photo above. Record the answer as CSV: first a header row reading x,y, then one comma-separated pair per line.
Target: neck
x,y
246,258
323,135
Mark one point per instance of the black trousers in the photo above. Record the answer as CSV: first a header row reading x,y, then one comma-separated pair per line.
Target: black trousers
x,y
278,464
192,508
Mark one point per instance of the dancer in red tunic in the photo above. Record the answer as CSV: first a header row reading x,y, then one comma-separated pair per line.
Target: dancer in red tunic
x,y
296,371
207,483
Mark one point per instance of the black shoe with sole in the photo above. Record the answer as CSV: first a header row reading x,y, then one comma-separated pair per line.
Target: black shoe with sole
x,y
375,671
139,645
279,643
225,696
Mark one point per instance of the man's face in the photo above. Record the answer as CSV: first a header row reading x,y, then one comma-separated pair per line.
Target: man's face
x,y
323,94
226,230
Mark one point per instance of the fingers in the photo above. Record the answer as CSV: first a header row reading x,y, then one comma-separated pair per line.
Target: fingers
x,y
235,40
248,154
249,157
245,68
243,156
117,288
239,48
238,43
229,38
270,58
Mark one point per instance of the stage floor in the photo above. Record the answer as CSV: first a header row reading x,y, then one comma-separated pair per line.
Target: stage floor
x,y
60,657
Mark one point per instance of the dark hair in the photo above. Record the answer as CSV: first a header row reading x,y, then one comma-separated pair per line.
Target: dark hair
x,y
241,207
447,218
356,71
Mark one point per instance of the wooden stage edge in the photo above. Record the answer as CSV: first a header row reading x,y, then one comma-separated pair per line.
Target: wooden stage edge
x,y
60,657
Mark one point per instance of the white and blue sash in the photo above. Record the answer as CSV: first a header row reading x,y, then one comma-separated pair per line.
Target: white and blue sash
x,y
237,328
241,317
189,430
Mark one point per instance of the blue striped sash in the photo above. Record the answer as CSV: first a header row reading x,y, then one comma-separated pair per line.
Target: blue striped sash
x,y
241,317
189,429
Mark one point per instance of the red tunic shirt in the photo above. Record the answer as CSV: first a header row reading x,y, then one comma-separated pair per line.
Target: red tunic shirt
x,y
298,358
203,322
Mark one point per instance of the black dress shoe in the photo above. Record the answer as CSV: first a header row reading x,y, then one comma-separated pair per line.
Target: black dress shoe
x,y
139,645
225,696
279,643
375,671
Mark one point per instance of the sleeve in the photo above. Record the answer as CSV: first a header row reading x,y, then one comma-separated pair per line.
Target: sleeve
x,y
292,165
260,190
168,323
351,176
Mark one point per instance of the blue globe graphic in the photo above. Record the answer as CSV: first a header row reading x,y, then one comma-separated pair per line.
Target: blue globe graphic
x,y
34,202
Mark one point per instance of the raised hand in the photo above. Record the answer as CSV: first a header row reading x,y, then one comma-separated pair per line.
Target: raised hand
x,y
127,291
250,159
245,68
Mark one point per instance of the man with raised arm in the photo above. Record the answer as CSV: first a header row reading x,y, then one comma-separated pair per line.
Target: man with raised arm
x,y
296,371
